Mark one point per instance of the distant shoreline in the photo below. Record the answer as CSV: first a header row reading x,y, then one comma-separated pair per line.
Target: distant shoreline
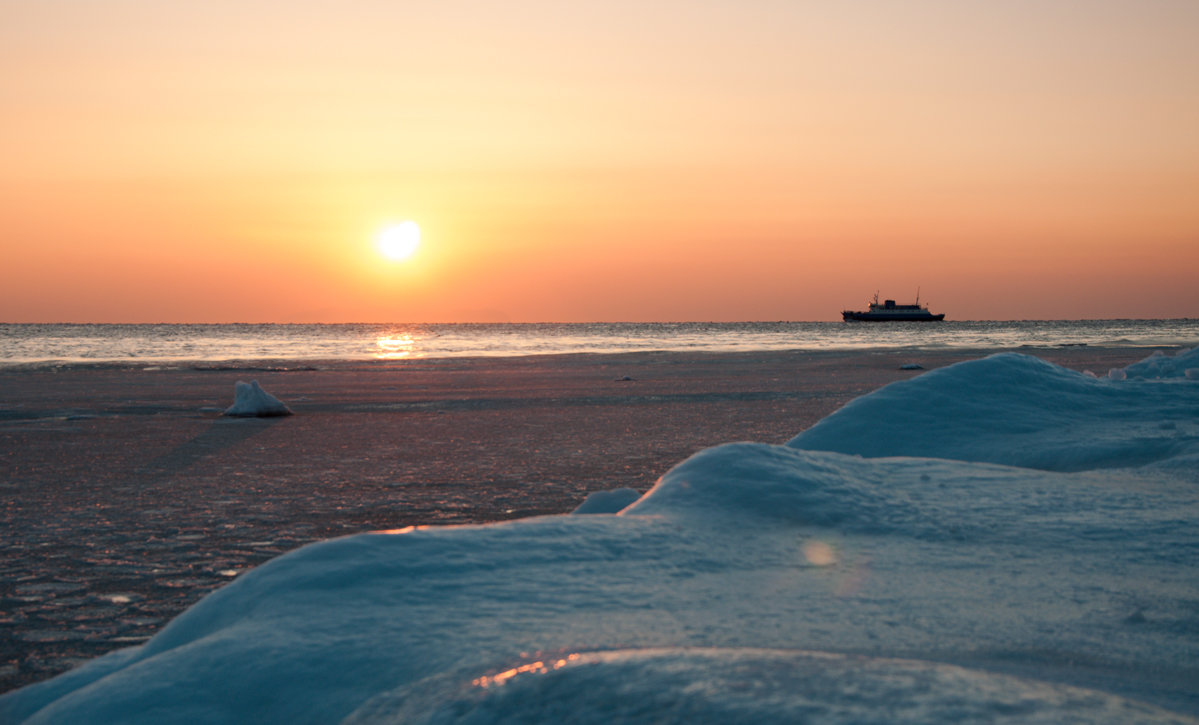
x,y
301,364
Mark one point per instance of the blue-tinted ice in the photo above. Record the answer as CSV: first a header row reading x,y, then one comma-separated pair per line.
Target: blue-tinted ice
x,y
1000,540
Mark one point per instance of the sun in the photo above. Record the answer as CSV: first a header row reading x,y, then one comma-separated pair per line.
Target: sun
x,y
399,241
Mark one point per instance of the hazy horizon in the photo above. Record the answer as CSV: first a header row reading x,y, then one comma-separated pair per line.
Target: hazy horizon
x,y
465,322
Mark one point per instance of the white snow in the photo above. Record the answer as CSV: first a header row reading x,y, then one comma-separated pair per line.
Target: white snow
x,y
1001,540
251,401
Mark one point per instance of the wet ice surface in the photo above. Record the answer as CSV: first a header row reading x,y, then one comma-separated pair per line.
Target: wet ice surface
x,y
94,575
98,577
107,564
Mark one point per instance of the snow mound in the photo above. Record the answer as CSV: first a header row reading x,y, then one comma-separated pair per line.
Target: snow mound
x,y
754,483
251,401
1016,410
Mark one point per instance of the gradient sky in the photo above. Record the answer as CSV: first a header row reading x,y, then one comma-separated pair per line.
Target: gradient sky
x,y
219,161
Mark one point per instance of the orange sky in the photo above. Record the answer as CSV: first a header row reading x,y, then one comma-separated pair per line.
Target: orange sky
x,y
219,161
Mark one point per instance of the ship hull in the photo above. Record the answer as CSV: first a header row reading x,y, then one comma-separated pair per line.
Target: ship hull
x,y
850,316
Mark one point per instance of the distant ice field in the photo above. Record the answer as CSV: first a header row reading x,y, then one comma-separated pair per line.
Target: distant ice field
x,y
140,345
1000,540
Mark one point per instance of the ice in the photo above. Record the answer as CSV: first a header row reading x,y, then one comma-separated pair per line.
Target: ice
x,y
1016,410
251,401
695,685
607,502
1001,540
1160,365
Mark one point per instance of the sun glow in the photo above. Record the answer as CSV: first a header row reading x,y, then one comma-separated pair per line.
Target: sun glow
x,y
395,346
399,241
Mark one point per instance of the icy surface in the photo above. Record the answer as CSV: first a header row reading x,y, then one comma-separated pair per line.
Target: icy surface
x,y
1020,411
746,686
1160,365
607,502
996,541
251,401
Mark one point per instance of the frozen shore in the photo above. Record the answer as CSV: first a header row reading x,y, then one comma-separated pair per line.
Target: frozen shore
x,y
129,492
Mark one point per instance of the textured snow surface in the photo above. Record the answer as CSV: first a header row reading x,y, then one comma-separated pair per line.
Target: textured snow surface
x,y
1020,411
251,401
746,686
1000,540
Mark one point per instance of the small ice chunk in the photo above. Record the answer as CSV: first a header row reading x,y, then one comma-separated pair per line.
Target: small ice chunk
x,y
607,502
251,401
911,366
1117,374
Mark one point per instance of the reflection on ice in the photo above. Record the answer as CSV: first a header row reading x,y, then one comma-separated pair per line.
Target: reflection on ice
x,y
538,667
723,685
403,530
819,553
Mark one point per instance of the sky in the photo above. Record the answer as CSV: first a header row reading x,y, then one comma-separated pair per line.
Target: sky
x,y
219,161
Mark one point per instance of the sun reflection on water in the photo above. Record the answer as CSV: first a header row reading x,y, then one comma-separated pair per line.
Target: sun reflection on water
x,y
396,346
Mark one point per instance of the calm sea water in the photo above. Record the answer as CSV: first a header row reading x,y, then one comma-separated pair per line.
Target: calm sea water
x,y
50,345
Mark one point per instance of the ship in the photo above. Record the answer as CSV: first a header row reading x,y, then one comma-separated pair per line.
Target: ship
x,y
889,311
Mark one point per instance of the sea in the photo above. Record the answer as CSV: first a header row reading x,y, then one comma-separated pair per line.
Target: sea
x,y
57,345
